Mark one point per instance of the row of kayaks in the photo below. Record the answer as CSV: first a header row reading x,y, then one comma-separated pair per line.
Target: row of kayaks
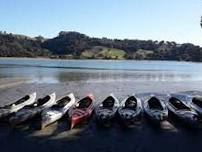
x,y
129,110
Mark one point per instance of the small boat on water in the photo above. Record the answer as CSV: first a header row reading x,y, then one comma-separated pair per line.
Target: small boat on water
x,y
57,111
155,109
105,112
130,111
33,110
81,111
182,111
16,106
196,104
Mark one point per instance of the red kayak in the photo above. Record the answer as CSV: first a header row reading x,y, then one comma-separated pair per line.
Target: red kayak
x,y
82,111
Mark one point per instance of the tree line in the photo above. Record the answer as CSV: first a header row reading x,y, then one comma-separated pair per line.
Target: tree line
x,y
73,44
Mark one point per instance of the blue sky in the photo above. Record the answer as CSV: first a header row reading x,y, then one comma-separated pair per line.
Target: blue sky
x,y
174,20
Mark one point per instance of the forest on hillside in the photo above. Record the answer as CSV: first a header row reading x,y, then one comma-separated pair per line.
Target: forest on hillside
x,y
74,45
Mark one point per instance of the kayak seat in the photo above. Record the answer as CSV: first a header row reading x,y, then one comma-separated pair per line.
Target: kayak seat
x,y
19,101
30,106
131,103
85,102
154,103
108,102
62,102
197,101
42,101
179,105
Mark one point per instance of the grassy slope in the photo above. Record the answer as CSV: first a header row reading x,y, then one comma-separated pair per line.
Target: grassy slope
x,y
103,52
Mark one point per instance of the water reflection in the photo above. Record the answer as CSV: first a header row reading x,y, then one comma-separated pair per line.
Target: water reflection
x,y
152,71
65,75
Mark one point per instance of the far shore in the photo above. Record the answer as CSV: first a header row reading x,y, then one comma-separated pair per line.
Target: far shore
x,y
74,59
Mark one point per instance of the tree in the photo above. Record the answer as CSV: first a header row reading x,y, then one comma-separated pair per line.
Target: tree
x,y
201,22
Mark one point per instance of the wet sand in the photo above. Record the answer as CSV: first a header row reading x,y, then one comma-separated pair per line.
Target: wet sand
x,y
11,82
170,136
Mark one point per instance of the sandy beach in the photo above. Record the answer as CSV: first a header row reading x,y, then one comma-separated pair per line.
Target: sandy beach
x,y
89,137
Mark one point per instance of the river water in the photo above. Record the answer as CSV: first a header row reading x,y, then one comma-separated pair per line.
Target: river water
x,y
57,71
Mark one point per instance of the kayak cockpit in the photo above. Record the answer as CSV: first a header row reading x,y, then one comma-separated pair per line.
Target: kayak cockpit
x,y
22,100
61,103
108,102
42,101
131,103
197,101
154,103
38,103
84,103
25,98
177,104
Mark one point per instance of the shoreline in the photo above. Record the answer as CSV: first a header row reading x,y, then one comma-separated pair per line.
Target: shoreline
x,y
114,60
13,89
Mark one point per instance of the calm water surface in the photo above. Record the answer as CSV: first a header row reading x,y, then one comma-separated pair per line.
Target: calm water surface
x,y
55,71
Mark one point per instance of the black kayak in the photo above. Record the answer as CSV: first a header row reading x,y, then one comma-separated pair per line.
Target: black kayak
x,y
182,111
130,111
155,109
105,112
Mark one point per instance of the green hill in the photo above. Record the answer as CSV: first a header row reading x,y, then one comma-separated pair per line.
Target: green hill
x,y
103,53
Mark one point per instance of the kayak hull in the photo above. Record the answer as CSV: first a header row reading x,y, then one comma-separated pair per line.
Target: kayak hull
x,y
4,113
187,115
78,115
52,114
105,117
23,116
76,120
28,113
188,118
53,117
130,115
156,115
106,114
7,110
196,107
130,119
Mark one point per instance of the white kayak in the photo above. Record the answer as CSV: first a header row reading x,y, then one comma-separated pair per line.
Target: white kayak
x,y
183,111
31,111
58,110
130,110
14,107
155,109
106,111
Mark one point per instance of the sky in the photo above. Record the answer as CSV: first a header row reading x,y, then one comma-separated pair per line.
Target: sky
x,y
169,20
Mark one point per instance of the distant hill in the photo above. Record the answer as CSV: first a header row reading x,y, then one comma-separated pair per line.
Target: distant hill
x,y
21,46
68,45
